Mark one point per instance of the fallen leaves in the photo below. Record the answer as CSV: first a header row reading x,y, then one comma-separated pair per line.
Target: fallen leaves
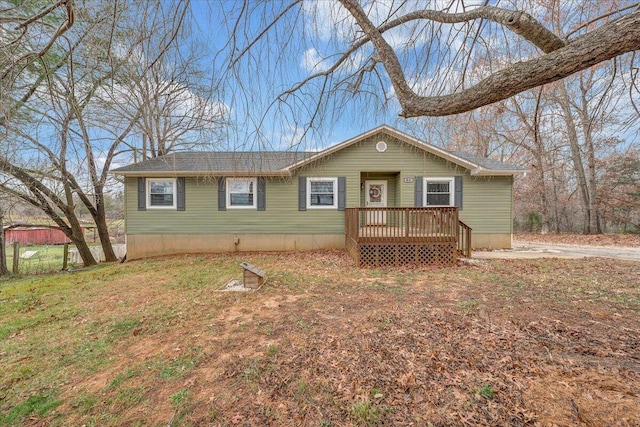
x,y
624,240
539,342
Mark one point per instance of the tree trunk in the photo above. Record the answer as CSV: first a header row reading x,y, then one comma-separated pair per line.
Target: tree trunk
x,y
83,250
539,156
594,208
4,271
576,156
556,212
100,220
75,234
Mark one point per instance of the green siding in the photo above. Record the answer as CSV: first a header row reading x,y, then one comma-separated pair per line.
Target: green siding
x,y
487,204
202,214
487,200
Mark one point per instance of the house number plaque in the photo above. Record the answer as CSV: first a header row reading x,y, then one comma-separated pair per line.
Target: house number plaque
x,y
408,179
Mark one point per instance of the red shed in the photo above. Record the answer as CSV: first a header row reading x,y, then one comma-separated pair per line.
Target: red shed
x,y
35,236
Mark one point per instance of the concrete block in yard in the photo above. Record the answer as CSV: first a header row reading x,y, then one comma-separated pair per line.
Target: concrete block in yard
x,y
28,254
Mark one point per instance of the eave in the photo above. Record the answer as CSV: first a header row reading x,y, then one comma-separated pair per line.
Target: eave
x,y
480,171
200,174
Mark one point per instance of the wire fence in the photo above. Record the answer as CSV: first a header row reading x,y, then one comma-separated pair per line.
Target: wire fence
x,y
41,259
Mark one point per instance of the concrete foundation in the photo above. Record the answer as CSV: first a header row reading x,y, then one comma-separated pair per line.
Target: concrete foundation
x,y
491,241
148,245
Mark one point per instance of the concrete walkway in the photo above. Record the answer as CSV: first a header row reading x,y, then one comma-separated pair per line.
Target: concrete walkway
x,y
524,250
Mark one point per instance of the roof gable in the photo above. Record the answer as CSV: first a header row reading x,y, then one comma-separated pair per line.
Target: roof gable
x,y
477,165
284,163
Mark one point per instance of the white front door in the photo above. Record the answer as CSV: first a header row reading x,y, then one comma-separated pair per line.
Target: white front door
x,y
376,197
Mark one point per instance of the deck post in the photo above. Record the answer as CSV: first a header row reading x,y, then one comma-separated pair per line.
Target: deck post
x,y
406,223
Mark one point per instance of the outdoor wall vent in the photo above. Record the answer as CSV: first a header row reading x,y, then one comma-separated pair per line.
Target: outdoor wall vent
x,y
381,146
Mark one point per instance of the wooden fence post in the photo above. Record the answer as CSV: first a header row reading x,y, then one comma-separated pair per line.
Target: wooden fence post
x,y
65,256
16,257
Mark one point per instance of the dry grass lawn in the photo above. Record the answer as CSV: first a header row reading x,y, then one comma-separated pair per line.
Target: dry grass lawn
x,y
152,343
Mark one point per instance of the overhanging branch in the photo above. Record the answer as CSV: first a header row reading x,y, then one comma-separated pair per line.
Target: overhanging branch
x,y
610,40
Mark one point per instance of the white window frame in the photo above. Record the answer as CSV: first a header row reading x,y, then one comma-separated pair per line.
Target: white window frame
x,y
452,190
335,193
175,193
254,181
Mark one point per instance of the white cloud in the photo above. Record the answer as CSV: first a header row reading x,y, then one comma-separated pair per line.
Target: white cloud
x,y
313,62
328,21
332,29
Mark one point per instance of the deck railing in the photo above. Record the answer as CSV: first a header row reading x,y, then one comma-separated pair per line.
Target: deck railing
x,y
402,225
400,236
464,239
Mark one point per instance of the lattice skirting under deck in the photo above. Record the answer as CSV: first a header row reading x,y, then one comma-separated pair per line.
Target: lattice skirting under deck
x,y
380,255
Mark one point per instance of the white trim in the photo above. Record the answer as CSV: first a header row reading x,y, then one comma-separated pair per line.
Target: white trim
x,y
480,171
452,189
335,193
175,193
253,181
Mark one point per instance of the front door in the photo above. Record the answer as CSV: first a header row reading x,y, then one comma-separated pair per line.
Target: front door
x,y
376,197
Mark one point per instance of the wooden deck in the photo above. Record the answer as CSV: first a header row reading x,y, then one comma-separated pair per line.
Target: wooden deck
x,y
400,236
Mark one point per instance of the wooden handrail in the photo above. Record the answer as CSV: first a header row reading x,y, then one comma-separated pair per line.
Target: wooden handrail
x,y
402,225
464,239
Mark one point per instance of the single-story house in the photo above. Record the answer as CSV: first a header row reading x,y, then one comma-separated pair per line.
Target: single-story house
x,y
382,187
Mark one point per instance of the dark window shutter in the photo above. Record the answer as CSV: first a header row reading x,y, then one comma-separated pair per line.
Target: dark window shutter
x,y
142,194
419,196
181,200
342,193
262,187
302,193
222,194
458,188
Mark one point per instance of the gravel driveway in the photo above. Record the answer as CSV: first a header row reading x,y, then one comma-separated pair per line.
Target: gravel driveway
x,y
522,249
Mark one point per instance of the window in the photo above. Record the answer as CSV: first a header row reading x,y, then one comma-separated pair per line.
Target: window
x,y
322,193
241,193
161,193
439,192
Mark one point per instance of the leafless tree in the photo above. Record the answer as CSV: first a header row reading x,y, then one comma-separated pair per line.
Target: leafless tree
x,y
57,144
4,271
167,99
27,36
418,54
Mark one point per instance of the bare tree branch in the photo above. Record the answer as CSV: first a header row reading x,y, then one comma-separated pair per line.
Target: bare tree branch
x,y
517,21
606,42
68,4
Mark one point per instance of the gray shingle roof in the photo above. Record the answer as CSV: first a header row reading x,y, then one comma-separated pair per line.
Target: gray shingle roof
x,y
485,162
284,162
218,161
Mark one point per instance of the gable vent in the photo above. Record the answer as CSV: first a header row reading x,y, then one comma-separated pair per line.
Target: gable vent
x,y
381,146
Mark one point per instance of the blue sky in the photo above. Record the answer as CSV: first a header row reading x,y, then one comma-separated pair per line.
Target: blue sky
x,y
303,42
267,72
